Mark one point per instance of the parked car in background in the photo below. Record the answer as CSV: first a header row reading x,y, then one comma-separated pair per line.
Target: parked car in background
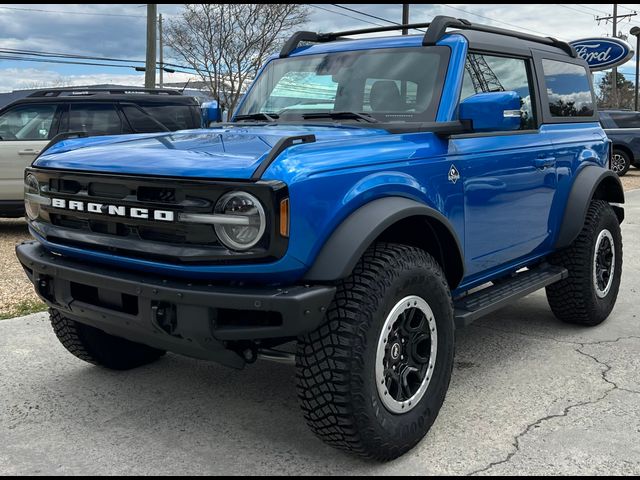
x,y
29,124
623,128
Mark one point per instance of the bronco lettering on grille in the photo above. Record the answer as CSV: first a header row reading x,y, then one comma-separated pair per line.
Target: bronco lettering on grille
x,y
114,210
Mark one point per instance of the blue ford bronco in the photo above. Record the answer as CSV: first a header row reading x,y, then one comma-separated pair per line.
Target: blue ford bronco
x,y
368,197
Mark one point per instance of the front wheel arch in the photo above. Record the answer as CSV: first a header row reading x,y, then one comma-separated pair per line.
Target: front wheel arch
x,y
389,219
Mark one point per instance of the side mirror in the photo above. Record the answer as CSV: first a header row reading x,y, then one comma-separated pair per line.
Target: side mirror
x,y
211,113
493,111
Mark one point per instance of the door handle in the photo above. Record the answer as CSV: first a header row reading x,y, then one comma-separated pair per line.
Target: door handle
x,y
545,162
28,151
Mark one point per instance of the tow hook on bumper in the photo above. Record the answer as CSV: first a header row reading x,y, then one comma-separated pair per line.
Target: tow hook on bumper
x,y
197,320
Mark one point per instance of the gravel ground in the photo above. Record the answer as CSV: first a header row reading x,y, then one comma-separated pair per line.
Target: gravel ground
x,y
631,180
15,289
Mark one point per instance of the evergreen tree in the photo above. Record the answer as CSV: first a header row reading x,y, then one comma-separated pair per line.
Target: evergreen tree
x,y
624,92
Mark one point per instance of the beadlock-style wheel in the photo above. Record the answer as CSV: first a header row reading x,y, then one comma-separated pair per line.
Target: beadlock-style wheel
x,y
406,354
604,263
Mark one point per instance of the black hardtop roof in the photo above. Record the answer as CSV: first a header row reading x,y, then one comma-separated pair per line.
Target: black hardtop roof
x,y
479,36
119,94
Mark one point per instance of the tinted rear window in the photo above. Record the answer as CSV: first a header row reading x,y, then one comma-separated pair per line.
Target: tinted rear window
x,y
95,119
174,117
568,89
626,119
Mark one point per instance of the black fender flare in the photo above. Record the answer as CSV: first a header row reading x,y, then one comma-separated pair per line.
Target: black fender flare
x,y
348,242
591,180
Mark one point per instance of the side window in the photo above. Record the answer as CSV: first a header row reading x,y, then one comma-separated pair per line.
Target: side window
x,y
174,117
142,122
607,121
28,122
95,119
488,73
626,119
568,89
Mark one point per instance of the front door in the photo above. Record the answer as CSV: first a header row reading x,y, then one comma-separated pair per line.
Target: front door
x,y
509,178
24,131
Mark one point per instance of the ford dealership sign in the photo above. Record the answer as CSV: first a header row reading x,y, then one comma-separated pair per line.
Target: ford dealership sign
x,y
603,53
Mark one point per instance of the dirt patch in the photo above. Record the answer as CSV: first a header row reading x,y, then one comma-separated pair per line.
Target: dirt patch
x,y
16,292
631,180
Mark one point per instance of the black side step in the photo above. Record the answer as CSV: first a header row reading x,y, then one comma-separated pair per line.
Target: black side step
x,y
480,303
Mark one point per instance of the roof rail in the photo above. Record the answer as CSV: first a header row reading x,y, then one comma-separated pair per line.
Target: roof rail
x,y
439,26
73,91
435,31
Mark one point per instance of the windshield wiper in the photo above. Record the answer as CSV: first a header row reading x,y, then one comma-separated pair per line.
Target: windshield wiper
x,y
270,117
339,115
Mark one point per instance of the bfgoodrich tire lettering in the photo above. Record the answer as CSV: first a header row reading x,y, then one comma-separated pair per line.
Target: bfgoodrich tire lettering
x,y
99,348
336,363
577,299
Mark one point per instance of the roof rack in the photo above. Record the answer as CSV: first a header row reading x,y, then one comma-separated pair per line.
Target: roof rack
x,y
73,91
435,31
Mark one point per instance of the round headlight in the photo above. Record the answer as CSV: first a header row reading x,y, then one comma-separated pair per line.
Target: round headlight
x,y
246,230
31,188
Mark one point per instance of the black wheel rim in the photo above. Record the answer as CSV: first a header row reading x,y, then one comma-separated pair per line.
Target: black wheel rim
x,y
406,354
604,263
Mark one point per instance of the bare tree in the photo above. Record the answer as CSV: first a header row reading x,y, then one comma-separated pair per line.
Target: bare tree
x,y
228,43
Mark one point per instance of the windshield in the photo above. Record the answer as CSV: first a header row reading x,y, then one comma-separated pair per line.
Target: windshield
x,y
387,85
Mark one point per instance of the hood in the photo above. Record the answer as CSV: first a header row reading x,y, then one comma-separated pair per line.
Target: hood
x,y
225,153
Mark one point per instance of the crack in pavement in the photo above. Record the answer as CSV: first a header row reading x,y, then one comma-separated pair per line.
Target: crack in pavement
x,y
564,342
603,373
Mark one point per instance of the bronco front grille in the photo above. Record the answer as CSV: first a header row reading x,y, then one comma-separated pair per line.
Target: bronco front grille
x,y
168,240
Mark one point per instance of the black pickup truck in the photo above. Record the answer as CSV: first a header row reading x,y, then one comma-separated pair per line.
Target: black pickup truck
x,y
623,128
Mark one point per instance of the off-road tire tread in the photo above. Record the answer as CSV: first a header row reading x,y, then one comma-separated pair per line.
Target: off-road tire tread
x,y
569,298
99,348
328,358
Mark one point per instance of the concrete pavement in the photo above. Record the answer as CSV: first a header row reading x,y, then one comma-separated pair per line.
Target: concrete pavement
x,y
529,395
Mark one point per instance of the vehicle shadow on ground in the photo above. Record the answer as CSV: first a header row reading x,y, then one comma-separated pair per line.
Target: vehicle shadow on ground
x,y
218,407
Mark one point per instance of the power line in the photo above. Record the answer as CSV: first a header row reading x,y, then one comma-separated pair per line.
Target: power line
x,y
593,15
537,32
81,57
71,62
371,16
346,15
66,12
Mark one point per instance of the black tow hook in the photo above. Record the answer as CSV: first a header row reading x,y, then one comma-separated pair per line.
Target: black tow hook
x,y
250,355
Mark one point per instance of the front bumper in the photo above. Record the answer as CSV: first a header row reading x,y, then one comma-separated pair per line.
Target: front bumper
x,y
195,319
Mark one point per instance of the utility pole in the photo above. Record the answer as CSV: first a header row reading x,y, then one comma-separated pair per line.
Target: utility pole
x,y
160,47
405,18
150,65
614,71
405,31
636,32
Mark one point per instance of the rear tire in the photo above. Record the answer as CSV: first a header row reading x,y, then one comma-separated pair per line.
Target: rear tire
x,y
388,322
620,162
99,348
588,294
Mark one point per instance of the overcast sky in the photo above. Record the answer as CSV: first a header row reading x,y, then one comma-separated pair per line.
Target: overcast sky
x,y
118,31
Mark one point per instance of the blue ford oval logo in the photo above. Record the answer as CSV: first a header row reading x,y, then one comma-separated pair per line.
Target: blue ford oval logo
x,y
603,53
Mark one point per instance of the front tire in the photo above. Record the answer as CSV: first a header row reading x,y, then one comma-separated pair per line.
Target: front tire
x,y
99,348
372,379
594,261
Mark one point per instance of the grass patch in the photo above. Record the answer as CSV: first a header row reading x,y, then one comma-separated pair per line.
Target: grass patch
x,y
23,308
